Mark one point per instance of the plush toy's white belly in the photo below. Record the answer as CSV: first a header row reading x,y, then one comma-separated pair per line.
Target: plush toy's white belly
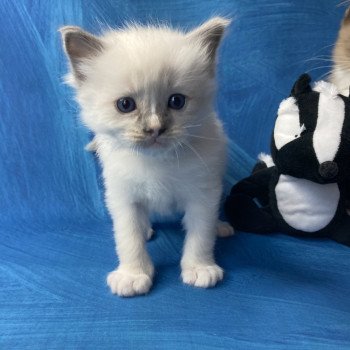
x,y
306,205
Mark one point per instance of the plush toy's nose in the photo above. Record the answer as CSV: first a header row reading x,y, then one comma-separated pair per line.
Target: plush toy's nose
x,y
328,170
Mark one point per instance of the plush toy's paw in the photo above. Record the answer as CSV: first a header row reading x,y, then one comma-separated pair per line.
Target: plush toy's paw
x,y
127,283
224,229
203,276
149,233
246,216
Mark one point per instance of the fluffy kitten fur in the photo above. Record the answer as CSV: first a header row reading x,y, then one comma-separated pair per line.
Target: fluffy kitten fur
x,y
340,75
181,169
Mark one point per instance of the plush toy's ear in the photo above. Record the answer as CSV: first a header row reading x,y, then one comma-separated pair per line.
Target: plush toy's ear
x,y
302,85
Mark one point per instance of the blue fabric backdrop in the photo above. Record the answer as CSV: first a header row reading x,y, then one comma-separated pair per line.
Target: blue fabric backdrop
x,y
56,239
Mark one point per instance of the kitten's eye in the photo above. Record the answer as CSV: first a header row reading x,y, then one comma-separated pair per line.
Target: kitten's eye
x,y
126,104
176,101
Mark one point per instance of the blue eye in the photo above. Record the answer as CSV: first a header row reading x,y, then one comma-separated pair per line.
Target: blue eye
x,y
176,101
126,104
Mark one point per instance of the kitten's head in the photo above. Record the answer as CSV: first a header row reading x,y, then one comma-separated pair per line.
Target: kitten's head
x,y
144,86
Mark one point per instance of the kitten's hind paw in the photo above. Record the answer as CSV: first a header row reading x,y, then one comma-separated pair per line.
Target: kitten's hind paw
x,y
203,276
224,229
128,284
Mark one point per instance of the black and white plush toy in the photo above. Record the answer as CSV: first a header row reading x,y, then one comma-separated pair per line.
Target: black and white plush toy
x,y
304,187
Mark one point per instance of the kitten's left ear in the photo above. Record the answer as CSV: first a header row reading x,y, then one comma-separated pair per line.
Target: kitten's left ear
x,y
209,34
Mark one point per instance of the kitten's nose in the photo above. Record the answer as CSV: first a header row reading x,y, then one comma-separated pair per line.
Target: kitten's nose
x,y
154,132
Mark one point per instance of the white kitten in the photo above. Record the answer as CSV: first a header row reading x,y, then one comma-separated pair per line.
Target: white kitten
x,y
147,94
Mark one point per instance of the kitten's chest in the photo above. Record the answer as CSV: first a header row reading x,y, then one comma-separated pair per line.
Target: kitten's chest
x,y
162,190
163,185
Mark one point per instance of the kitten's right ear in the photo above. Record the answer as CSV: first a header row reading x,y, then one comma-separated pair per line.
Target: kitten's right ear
x,y
79,46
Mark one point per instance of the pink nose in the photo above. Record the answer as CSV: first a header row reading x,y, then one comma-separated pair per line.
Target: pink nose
x,y
155,132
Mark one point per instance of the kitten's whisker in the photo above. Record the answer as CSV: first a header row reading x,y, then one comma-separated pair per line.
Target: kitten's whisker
x,y
177,156
315,58
319,59
342,3
325,47
133,149
197,154
191,126
181,145
202,137
327,74
178,142
315,68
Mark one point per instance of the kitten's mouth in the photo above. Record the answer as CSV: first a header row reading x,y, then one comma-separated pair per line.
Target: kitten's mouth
x,y
153,143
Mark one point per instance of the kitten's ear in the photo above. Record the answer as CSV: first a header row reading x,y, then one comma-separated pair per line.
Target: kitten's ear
x,y
79,46
209,34
346,19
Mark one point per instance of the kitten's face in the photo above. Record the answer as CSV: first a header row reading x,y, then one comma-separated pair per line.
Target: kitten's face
x,y
147,87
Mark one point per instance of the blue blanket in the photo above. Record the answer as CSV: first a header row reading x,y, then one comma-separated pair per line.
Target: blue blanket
x,y
56,242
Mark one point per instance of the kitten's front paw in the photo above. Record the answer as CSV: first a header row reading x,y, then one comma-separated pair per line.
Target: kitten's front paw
x,y
224,229
203,276
127,283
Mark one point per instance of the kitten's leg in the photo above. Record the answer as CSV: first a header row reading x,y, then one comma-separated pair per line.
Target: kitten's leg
x,y
224,229
198,264
135,271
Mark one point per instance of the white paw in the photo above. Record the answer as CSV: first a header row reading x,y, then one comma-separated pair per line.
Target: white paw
x,y
128,284
203,276
224,229
149,233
